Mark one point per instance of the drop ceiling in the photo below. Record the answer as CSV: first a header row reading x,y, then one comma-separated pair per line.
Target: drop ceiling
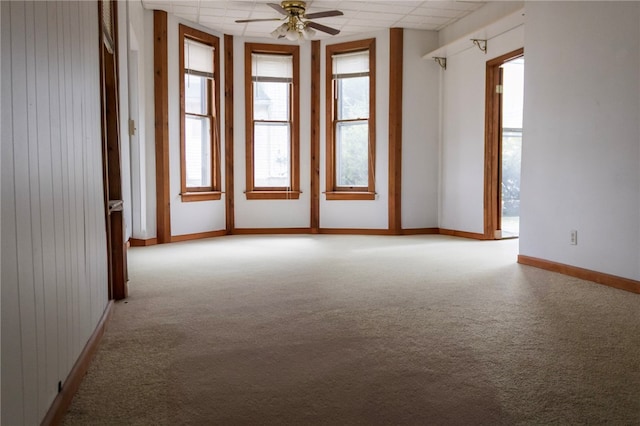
x,y
359,16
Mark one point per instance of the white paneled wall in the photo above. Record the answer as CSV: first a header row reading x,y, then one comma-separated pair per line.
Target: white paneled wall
x,y
54,268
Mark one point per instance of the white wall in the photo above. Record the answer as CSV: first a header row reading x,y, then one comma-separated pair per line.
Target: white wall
x,y
581,148
186,218
54,270
420,121
488,14
420,143
125,142
463,115
198,216
271,213
370,214
139,53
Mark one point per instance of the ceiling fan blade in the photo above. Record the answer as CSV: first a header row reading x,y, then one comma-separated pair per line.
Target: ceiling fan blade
x,y
241,21
322,28
325,14
278,8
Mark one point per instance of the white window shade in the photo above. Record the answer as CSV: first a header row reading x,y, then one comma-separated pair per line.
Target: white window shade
x,y
198,58
350,64
271,67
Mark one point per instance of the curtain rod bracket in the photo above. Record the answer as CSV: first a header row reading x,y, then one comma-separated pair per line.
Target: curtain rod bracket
x,y
482,44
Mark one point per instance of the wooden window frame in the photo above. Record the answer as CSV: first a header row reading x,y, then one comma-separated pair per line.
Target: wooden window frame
x,y
273,193
333,191
213,191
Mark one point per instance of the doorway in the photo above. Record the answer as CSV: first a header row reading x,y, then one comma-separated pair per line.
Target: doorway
x,y
503,145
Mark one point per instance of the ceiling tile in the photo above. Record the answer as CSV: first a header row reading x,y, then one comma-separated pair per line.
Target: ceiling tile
x,y
381,17
359,16
453,5
389,8
180,9
212,11
447,13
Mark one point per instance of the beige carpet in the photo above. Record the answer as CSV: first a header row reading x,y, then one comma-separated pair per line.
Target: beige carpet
x,y
367,330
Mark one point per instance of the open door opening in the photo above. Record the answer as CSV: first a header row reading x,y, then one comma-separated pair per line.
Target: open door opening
x,y
503,145
511,145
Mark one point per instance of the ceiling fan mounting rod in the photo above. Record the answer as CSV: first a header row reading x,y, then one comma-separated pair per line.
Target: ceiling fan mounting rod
x,y
296,8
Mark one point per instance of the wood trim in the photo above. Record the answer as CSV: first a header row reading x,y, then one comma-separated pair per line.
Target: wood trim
x,y
62,401
464,234
197,236
120,289
420,231
354,231
293,50
272,195
267,231
200,196
105,163
138,242
228,133
330,113
396,46
348,195
161,100
315,135
186,32
110,111
584,274
493,144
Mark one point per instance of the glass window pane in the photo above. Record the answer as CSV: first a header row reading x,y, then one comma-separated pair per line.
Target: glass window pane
x,y
513,93
353,98
511,166
271,156
197,151
271,101
352,153
195,94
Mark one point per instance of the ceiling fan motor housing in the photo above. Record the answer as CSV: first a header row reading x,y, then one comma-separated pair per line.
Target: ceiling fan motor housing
x,y
295,8
297,24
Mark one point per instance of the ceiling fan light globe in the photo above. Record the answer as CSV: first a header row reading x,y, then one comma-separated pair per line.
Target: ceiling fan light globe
x,y
292,35
308,33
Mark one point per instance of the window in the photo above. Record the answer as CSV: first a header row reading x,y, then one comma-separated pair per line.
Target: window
x,y
199,106
351,121
272,110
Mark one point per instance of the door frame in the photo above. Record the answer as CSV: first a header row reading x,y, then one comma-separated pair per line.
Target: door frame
x,y
109,108
493,145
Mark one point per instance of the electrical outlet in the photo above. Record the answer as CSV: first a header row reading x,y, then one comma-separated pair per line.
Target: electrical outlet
x,y
573,238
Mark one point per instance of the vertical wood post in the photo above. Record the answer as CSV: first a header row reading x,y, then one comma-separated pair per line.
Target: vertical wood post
x,y
228,133
315,136
161,90
395,129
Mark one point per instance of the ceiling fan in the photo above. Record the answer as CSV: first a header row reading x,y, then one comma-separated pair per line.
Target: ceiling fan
x,y
298,24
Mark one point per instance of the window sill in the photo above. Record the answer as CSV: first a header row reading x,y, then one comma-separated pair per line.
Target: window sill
x,y
188,197
349,195
272,195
